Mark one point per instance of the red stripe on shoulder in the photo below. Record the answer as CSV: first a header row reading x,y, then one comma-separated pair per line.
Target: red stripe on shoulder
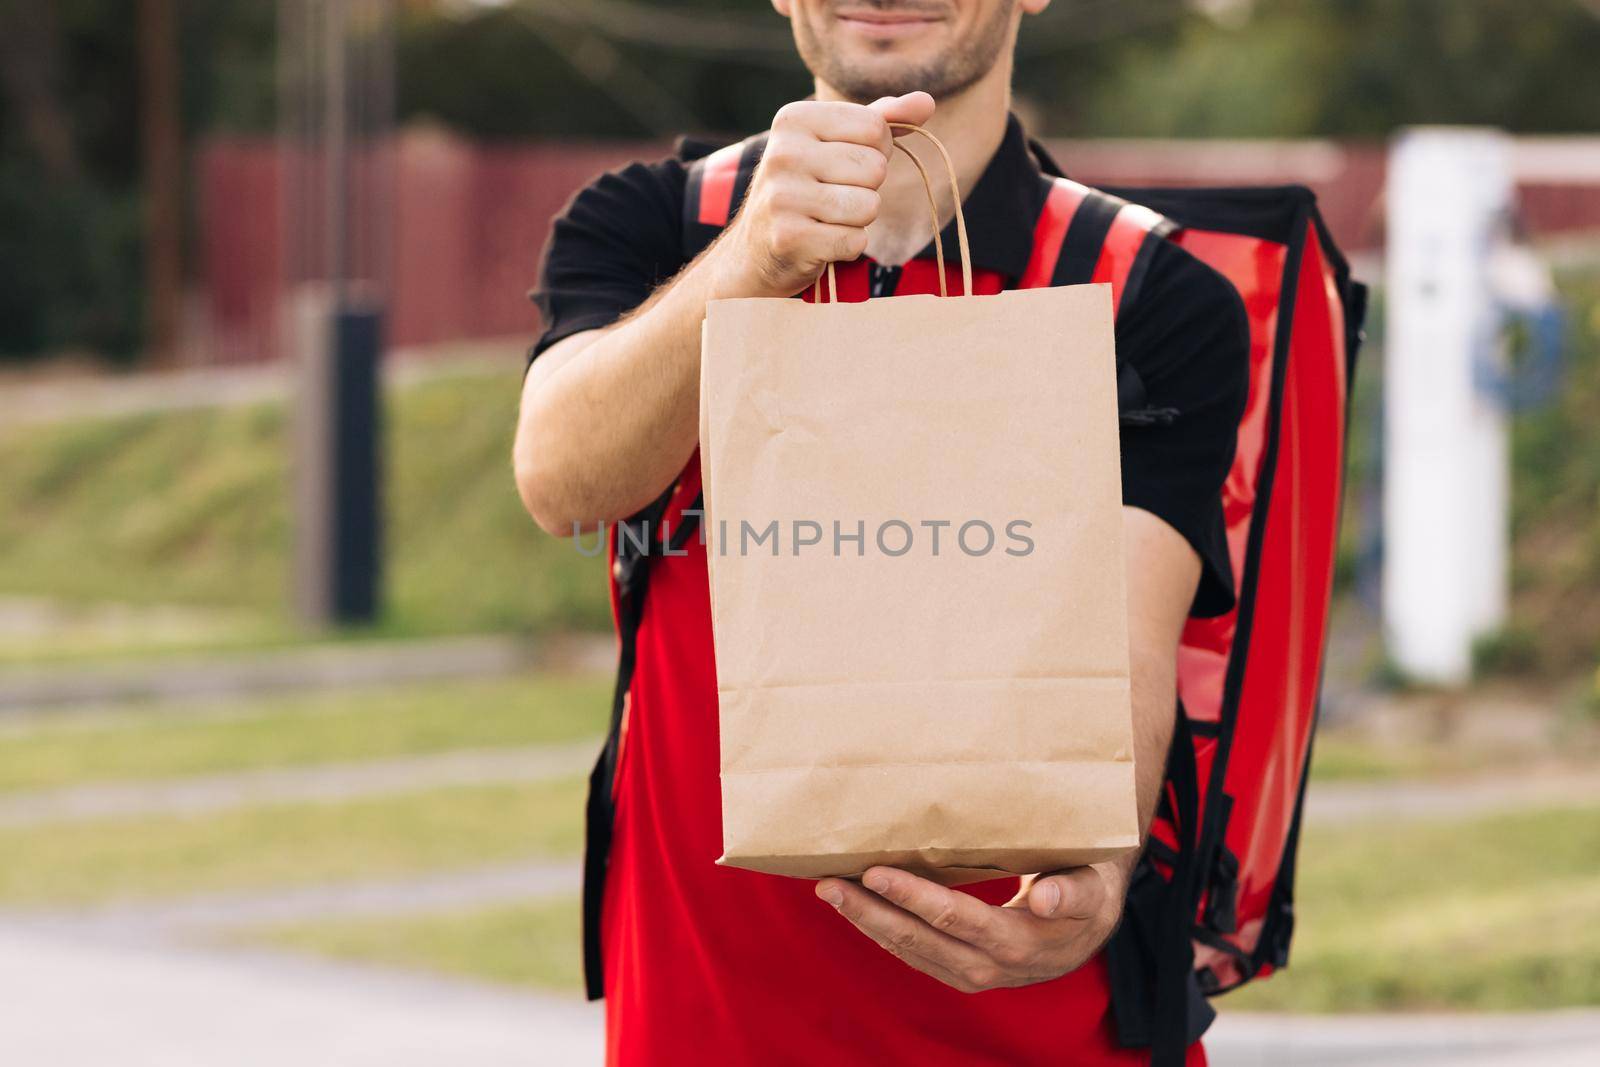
x,y
719,170
1129,230
1051,229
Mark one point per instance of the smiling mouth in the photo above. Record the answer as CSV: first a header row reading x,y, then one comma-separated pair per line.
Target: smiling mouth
x,y
887,23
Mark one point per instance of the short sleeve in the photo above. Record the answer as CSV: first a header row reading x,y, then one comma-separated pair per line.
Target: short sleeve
x,y
615,242
1188,340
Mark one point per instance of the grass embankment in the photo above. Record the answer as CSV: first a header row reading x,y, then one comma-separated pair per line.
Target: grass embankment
x,y
192,507
303,729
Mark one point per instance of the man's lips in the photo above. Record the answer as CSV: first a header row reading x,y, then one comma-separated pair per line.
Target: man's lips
x,y
875,23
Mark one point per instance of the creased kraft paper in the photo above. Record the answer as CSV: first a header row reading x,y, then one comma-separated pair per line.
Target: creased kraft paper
x,y
955,712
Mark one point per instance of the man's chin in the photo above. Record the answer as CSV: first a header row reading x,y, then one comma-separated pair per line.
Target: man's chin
x,y
867,82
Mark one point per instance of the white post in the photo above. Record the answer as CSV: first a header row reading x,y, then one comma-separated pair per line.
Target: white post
x,y
1446,454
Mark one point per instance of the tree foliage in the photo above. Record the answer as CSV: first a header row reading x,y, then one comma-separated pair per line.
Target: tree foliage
x,y
69,103
1362,68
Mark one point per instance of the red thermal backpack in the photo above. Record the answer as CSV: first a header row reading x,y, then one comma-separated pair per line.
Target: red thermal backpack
x,y
1211,905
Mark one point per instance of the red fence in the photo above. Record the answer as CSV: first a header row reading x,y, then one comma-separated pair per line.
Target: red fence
x,y
469,220
467,228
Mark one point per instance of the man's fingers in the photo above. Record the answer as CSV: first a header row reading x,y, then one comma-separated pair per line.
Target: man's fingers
x,y
905,935
816,190
837,163
914,108
958,914
1079,893
841,205
828,120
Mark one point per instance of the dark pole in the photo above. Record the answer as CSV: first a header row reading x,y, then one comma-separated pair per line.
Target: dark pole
x,y
162,146
335,55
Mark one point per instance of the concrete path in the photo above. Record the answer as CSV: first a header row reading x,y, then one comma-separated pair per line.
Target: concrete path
x,y
113,395
33,399
1546,1039
325,666
1330,803
328,782
1343,802
37,627
413,896
76,1002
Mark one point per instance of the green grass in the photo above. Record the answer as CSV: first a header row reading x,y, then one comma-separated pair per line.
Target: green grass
x,y
290,844
192,507
1342,759
1498,913
304,729
525,945
1336,758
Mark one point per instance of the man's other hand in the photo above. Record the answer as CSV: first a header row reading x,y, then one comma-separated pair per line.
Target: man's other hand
x,y
814,194
1052,927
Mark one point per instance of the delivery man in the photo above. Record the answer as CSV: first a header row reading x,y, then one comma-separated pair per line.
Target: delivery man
x,y
712,965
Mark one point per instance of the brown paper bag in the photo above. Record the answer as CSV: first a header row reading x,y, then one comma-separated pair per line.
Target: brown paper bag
x,y
913,508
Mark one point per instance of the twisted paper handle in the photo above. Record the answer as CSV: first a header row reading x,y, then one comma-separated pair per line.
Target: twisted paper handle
x,y
933,214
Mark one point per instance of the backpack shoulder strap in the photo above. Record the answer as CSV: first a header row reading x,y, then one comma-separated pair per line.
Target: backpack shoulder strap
x,y
1135,233
1085,235
1051,262
715,187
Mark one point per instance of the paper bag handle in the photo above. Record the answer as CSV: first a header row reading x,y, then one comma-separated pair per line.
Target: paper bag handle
x,y
933,213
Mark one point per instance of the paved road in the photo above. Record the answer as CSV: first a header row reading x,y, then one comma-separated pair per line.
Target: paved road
x,y
1548,1039
314,667
1336,802
68,1002
41,399
324,783
1453,798
71,1001
422,894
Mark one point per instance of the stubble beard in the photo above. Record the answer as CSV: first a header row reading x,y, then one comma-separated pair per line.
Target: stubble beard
x,y
941,76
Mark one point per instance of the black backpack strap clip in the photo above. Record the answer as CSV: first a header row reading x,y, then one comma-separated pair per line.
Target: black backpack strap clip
x,y
1156,1000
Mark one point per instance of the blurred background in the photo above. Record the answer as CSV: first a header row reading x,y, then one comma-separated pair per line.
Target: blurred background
x,y
296,704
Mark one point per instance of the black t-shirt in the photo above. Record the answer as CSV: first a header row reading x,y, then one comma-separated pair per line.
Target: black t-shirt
x,y
1185,333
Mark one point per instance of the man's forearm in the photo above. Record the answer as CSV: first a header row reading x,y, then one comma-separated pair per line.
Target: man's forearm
x,y
1162,573
610,417
1154,711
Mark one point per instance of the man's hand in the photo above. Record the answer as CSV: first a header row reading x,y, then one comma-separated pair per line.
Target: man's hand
x,y
814,194
1052,927
610,416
